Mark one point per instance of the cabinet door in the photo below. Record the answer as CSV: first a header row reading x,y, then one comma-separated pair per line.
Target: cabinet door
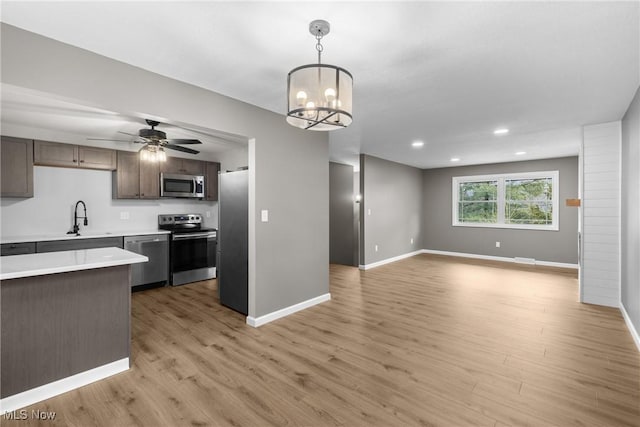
x,y
17,167
17,248
126,183
149,180
55,154
96,158
211,180
192,167
181,166
172,165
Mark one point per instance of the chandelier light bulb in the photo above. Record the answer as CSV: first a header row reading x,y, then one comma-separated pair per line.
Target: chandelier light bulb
x,y
330,94
301,96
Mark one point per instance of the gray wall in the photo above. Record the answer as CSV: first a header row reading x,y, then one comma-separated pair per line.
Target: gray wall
x,y
555,246
289,176
341,213
392,192
630,214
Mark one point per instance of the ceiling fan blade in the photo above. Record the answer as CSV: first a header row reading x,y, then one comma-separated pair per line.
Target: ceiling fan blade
x,y
107,139
179,148
127,133
183,141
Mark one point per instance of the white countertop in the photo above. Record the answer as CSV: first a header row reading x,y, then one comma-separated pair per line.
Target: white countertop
x,y
83,235
17,266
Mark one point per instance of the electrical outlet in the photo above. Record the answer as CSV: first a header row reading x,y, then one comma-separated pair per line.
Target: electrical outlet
x,y
208,214
368,211
264,215
124,215
412,240
376,248
497,244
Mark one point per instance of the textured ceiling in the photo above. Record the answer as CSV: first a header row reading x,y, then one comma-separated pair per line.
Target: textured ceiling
x,y
446,73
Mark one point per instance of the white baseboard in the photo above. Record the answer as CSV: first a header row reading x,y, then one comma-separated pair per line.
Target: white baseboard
x,y
632,329
388,260
47,391
259,321
503,259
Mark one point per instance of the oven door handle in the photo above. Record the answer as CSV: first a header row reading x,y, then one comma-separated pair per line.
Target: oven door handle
x,y
190,236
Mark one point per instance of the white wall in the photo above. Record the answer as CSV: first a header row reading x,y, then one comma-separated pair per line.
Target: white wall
x,y
600,266
231,160
56,191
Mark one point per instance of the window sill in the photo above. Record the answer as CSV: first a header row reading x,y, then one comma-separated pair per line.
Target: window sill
x,y
509,226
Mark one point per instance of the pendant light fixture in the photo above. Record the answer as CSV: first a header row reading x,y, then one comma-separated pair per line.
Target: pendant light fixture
x,y
319,96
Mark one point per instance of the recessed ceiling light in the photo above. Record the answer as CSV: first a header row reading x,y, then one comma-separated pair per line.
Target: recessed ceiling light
x,y
455,159
501,131
521,153
417,144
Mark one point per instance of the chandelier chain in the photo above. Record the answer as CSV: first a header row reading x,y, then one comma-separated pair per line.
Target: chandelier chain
x,y
319,46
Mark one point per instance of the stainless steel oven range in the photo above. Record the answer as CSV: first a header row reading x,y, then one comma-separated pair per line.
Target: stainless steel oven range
x,y
192,248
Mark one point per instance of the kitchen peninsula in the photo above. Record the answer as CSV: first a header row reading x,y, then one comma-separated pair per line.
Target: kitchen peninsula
x,y
65,320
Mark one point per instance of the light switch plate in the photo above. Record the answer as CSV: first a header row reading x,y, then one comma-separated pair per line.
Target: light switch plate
x,y
264,215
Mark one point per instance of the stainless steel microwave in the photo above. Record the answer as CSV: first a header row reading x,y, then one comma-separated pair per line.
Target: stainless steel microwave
x,y
175,185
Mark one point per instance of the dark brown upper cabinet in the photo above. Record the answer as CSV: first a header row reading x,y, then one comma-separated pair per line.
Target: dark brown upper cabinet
x,y
73,156
211,171
135,178
181,166
17,167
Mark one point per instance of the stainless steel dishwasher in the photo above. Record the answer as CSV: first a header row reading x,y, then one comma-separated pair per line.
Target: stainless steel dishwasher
x,y
156,248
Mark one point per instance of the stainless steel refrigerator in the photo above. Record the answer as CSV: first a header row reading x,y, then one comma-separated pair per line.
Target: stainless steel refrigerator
x,y
233,240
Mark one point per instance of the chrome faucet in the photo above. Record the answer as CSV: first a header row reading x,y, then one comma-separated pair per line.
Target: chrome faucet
x,y
76,227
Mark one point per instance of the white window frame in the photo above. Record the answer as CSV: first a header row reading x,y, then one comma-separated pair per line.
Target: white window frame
x,y
501,178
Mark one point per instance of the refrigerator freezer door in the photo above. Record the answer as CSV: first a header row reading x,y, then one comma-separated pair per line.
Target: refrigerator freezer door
x,y
233,240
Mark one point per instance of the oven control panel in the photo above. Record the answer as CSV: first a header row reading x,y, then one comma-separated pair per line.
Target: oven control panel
x,y
179,219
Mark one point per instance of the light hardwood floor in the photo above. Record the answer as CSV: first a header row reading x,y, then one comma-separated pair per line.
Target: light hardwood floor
x,y
429,340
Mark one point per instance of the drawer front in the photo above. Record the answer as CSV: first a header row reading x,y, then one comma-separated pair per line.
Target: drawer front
x,y
78,244
18,248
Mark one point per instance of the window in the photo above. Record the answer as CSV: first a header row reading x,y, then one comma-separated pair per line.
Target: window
x,y
523,200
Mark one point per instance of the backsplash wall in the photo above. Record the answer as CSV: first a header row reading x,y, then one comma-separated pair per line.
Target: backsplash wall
x,y
56,191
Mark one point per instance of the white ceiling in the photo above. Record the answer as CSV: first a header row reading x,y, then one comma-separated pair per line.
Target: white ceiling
x,y
446,73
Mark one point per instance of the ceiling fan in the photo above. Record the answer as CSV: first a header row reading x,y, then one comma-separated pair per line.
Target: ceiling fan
x,y
156,138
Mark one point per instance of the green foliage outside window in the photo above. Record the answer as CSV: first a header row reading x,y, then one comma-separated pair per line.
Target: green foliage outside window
x,y
529,201
478,202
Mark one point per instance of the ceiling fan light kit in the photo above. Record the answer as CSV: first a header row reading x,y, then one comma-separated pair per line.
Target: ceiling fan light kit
x,y
153,153
319,96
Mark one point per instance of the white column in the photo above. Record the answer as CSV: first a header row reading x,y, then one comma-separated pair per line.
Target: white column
x,y
600,255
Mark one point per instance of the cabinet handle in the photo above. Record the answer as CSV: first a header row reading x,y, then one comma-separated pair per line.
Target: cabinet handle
x,y
142,194
81,161
74,160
